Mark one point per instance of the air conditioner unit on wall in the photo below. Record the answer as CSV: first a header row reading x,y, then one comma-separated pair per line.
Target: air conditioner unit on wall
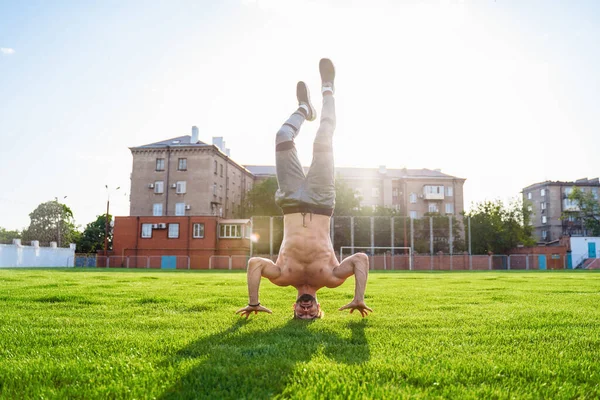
x,y
162,226
154,226
174,186
188,207
151,185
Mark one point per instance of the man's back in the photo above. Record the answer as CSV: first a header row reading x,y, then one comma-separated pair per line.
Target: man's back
x,y
306,256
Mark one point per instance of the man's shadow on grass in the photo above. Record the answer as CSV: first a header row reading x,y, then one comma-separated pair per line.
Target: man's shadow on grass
x,y
235,364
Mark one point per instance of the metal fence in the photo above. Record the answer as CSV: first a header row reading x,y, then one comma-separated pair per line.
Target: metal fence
x,y
428,235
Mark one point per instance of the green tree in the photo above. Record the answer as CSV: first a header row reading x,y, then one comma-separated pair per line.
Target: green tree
x,y
498,228
346,201
587,208
51,221
260,200
7,236
92,238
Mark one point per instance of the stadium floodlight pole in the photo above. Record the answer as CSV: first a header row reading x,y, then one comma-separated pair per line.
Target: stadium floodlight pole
x,y
106,222
58,219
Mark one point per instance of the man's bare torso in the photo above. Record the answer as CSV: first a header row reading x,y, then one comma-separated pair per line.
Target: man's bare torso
x,y
306,257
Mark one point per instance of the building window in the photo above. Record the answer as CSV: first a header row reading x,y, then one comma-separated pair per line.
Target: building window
x,y
179,209
181,186
227,231
413,197
198,231
216,165
395,192
449,208
221,170
543,192
214,189
146,231
434,189
220,190
157,210
173,231
544,234
595,193
413,215
159,187
433,208
543,205
160,164
530,208
529,196
449,191
182,166
544,219
375,192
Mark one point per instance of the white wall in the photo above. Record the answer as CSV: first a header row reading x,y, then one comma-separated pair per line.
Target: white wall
x,y
16,255
579,247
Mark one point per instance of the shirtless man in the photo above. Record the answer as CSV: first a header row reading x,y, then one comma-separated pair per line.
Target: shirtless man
x,y
306,258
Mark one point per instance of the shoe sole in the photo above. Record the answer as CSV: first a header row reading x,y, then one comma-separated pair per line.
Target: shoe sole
x,y
313,113
326,65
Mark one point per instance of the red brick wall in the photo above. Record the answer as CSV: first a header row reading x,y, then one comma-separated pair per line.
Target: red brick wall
x,y
551,263
128,241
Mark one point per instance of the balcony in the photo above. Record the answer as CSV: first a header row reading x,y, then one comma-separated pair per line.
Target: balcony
x,y
431,192
570,205
572,228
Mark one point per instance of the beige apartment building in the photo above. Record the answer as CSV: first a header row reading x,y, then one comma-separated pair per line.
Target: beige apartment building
x,y
549,200
413,192
183,176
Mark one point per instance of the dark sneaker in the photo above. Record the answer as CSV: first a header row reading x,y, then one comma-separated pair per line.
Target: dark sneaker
x,y
327,71
303,96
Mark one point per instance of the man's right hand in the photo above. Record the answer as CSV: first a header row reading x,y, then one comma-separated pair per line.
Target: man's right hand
x,y
246,311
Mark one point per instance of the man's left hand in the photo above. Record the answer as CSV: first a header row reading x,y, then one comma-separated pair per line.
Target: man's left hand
x,y
357,305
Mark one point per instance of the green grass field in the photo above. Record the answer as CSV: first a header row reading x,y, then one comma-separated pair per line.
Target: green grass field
x,y
154,334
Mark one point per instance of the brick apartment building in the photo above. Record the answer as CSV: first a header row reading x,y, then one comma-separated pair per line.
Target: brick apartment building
x,y
187,199
548,200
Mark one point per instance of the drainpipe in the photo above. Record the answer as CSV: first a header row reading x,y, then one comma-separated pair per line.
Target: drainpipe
x,y
227,187
167,181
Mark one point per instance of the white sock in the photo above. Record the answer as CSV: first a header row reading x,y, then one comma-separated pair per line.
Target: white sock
x,y
305,108
326,89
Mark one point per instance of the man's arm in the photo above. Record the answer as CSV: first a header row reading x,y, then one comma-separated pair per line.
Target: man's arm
x,y
357,264
257,268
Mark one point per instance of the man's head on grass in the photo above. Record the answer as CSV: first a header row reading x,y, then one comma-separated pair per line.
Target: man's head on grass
x,y
307,307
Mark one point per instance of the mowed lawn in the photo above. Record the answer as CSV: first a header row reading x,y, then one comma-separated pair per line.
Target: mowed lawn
x,y
154,334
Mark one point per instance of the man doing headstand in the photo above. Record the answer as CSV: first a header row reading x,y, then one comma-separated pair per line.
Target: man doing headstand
x,y
306,258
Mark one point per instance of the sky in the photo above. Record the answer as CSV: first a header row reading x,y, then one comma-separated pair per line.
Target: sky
x,y
503,93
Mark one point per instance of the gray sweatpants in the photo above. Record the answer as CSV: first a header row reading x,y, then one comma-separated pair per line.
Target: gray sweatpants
x,y
317,187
